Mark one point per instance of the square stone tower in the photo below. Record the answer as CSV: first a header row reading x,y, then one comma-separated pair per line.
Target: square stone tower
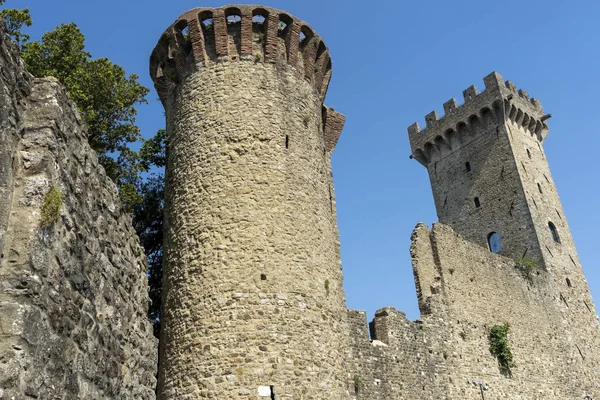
x,y
492,185
489,175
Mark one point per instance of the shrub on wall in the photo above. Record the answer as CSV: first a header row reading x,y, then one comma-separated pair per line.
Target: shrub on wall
x,y
500,348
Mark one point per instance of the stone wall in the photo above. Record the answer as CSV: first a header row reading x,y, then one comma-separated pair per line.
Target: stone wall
x,y
73,290
471,289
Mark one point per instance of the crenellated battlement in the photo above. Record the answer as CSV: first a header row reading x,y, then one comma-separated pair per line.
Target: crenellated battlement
x,y
500,101
206,36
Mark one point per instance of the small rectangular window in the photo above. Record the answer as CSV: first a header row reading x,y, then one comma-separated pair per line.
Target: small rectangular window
x,y
477,202
468,166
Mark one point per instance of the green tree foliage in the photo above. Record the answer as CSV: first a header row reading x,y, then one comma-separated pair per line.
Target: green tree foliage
x,y
105,96
15,20
148,218
148,223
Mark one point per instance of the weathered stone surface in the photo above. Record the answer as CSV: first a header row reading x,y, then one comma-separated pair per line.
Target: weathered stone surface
x,y
489,149
253,282
253,296
555,346
73,293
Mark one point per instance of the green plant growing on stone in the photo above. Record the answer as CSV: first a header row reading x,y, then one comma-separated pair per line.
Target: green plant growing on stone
x,y
51,206
257,57
327,287
306,119
526,266
500,348
357,384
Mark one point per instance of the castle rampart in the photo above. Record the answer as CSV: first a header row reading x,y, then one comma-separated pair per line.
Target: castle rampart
x,y
203,37
499,101
447,349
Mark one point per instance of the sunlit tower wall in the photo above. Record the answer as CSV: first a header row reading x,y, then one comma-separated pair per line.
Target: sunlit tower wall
x,y
253,302
485,161
489,174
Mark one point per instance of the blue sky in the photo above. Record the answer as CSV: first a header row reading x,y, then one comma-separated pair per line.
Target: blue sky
x,y
393,62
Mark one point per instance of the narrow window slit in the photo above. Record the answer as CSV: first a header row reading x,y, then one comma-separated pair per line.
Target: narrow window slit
x,y
287,142
587,306
477,202
468,166
564,300
569,283
540,188
580,353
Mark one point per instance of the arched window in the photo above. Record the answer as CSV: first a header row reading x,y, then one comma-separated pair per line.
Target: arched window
x,y
494,242
553,232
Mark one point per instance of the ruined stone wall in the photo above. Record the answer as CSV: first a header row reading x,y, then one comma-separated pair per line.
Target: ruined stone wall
x,y
471,290
402,360
253,293
73,291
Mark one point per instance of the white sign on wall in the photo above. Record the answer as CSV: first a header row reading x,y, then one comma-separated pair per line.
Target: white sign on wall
x,y
264,391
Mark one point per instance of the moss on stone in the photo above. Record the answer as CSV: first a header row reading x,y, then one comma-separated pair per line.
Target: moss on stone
x,y
51,206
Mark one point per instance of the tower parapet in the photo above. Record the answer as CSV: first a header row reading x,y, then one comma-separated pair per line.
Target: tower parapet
x,y
500,100
206,36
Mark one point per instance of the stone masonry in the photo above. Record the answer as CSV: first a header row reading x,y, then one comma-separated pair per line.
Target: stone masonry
x,y
73,291
254,306
253,299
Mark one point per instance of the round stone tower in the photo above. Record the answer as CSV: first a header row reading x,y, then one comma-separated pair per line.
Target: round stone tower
x,y
253,303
